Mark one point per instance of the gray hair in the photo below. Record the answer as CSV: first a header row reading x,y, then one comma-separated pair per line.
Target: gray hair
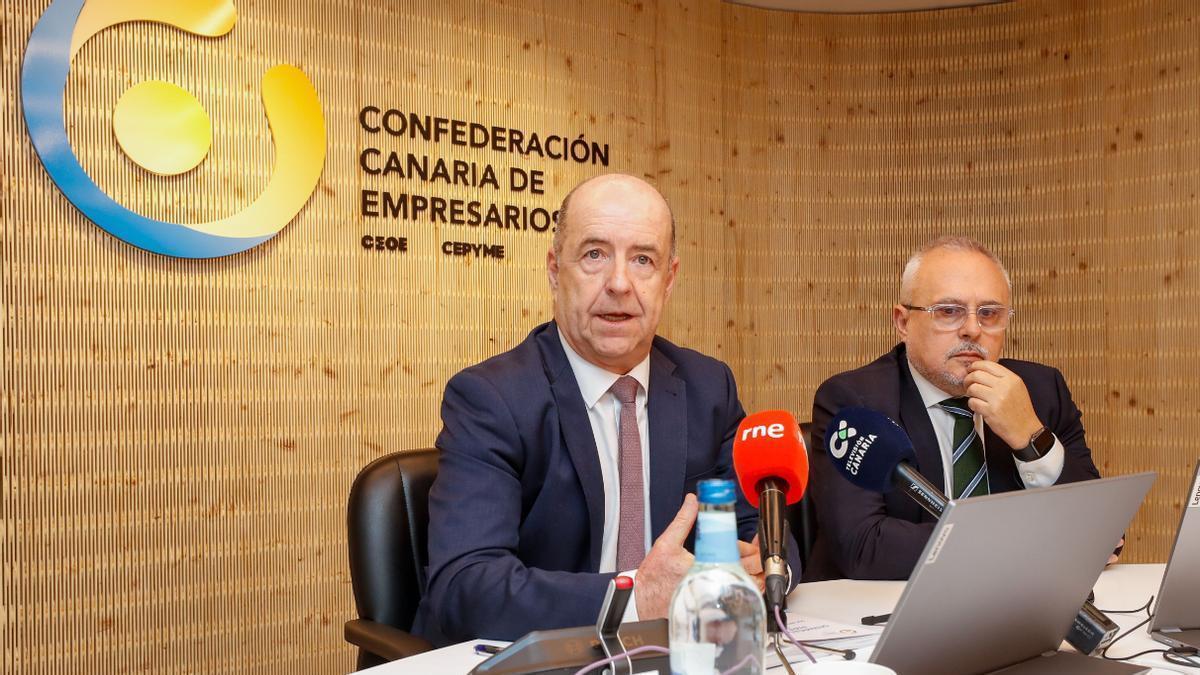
x,y
561,223
953,243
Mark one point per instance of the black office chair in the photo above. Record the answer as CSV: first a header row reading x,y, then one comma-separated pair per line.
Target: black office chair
x,y
802,517
387,532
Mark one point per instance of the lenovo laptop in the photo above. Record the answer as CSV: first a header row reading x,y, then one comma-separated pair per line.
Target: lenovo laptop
x,y
1176,619
1002,578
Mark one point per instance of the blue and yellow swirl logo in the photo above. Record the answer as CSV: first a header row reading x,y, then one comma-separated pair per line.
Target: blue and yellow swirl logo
x,y
164,129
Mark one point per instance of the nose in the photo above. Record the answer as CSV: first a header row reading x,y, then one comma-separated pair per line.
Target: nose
x,y
618,280
970,328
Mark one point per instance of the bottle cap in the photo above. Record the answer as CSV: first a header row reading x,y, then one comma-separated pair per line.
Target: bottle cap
x,y
715,491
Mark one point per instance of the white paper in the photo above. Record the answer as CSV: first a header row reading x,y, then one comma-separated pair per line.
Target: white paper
x,y
824,632
811,629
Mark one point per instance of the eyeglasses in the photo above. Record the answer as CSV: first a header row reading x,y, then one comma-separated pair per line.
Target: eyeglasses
x,y
949,316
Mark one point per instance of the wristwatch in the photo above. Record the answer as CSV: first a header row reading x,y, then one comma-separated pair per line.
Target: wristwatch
x,y
1039,444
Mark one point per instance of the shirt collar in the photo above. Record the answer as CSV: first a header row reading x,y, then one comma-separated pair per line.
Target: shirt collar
x,y
931,396
595,381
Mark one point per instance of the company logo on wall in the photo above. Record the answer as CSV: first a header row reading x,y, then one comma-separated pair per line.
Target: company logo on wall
x,y
164,129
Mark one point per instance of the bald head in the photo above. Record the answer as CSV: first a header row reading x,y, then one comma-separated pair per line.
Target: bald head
x,y
599,190
611,269
908,280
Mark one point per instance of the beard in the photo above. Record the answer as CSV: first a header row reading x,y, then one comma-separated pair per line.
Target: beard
x,y
944,379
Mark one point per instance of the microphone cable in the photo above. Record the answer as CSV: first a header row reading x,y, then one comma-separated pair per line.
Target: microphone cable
x,y
655,649
791,638
1179,656
629,653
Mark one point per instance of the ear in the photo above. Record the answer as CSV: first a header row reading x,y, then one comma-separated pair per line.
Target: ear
x,y
552,268
672,272
900,321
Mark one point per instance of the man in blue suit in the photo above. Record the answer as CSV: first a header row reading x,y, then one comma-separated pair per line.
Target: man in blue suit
x,y
979,424
573,457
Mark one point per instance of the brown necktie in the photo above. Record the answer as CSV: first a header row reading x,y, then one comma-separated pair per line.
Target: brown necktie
x,y
631,534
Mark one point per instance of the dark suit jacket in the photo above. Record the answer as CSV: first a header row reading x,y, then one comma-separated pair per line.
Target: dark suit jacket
x,y
865,535
516,512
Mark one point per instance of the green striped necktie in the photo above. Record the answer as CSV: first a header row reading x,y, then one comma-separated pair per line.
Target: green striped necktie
x,y
970,468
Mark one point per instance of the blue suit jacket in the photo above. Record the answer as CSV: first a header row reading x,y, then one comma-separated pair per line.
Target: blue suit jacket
x,y
516,512
865,535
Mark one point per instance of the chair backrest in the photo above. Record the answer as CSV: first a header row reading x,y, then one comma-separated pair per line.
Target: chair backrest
x,y
387,531
802,516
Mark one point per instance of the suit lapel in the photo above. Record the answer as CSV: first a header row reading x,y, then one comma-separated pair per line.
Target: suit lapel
x,y
576,433
666,412
915,420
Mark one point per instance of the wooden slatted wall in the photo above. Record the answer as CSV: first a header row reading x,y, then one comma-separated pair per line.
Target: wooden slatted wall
x,y
179,436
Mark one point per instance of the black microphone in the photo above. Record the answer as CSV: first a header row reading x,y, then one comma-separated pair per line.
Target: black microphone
x,y
873,452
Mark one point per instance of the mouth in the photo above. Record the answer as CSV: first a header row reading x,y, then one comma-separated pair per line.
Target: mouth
x,y
967,355
615,317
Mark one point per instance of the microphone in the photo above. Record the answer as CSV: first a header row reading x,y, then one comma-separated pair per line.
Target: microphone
x,y
772,469
873,452
608,623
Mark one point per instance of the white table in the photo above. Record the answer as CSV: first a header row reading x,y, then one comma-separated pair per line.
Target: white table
x,y
1119,587
459,658
1129,587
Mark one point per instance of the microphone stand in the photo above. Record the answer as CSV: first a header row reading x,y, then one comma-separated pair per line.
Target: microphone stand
x,y
772,542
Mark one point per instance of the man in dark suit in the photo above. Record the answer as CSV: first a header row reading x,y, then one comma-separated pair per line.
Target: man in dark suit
x,y
980,424
564,458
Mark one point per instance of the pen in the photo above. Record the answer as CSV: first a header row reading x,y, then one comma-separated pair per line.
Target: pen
x,y
487,649
875,620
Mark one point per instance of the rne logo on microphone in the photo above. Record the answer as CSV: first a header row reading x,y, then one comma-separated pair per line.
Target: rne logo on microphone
x,y
164,129
775,430
840,442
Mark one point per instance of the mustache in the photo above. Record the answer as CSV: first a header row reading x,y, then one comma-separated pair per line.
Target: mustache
x,y
972,347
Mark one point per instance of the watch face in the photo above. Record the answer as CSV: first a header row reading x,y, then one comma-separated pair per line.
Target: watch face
x,y
1043,442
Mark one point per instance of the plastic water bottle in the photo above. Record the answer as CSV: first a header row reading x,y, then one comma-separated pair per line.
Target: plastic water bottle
x,y
717,617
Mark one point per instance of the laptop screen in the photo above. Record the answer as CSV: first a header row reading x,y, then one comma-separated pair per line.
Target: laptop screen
x,y
1178,603
1003,576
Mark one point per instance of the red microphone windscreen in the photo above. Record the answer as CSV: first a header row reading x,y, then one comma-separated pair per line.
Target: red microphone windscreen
x,y
768,445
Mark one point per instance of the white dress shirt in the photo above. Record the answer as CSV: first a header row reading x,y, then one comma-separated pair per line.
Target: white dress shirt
x,y
1041,472
604,414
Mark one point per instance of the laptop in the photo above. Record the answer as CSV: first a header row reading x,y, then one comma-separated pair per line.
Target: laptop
x,y
1176,619
1003,576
